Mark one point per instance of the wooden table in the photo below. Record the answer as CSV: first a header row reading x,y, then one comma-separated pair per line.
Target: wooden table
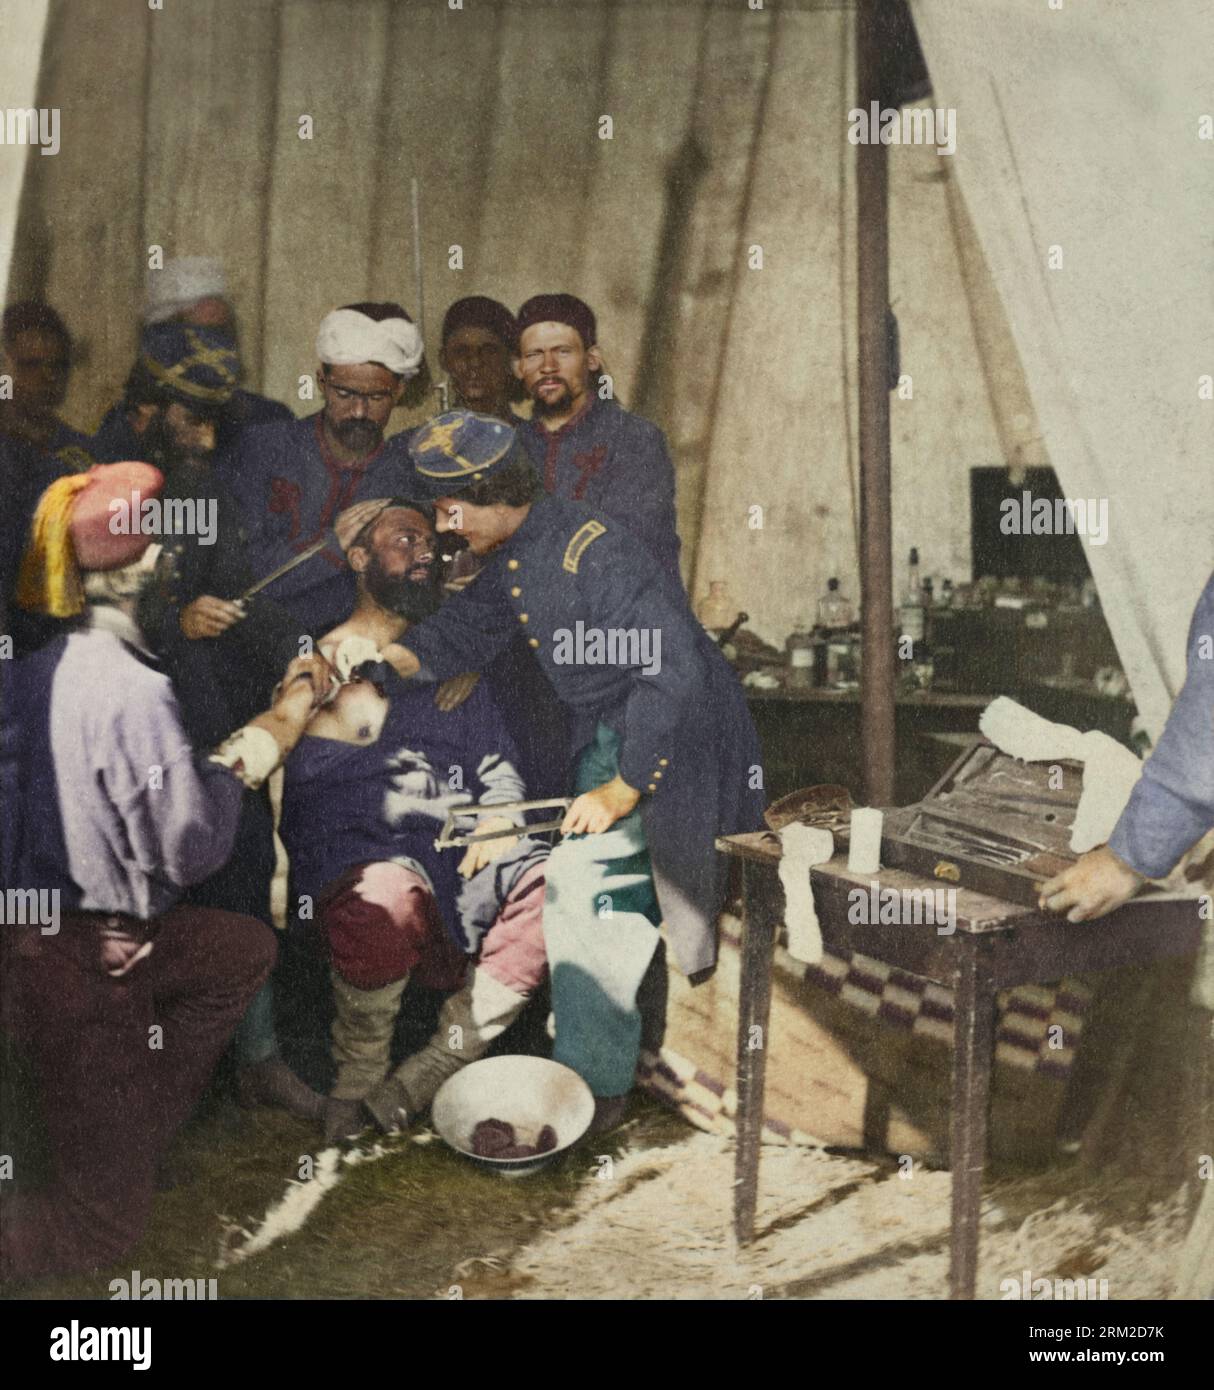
x,y
996,945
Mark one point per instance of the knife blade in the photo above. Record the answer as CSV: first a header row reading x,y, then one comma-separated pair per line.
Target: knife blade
x,y
314,549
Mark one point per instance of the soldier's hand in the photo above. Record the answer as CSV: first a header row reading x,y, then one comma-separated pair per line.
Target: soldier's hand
x,y
451,694
1095,884
596,811
401,659
488,850
208,616
307,683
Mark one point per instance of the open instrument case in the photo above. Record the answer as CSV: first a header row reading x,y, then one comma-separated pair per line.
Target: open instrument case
x,y
992,823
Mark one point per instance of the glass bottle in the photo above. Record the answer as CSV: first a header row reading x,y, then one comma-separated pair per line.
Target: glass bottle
x,y
911,611
834,609
800,649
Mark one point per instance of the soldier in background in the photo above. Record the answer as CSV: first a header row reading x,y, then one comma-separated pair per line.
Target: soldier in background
x,y
586,447
37,357
480,339
189,290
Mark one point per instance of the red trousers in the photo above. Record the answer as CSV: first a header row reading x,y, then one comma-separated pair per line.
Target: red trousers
x,y
381,923
120,1064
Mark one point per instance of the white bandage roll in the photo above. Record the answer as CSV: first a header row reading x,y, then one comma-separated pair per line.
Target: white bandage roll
x,y
803,847
864,851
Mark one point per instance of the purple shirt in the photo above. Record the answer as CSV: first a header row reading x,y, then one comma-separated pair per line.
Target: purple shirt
x,y
133,816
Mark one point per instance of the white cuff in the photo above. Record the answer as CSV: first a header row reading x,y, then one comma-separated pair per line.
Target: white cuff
x,y
251,753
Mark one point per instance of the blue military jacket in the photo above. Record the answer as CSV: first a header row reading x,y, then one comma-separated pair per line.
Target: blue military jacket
x,y
290,489
615,462
1172,806
615,636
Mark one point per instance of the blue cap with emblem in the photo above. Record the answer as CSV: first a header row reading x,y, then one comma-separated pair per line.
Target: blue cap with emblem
x,y
460,448
196,365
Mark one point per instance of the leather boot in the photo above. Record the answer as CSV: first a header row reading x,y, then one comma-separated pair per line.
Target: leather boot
x,y
362,1043
362,1034
469,1021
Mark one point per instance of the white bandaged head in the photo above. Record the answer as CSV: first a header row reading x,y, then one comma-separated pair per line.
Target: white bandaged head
x,y
180,284
347,337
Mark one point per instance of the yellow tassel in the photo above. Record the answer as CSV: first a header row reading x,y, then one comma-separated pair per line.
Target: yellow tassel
x,y
49,581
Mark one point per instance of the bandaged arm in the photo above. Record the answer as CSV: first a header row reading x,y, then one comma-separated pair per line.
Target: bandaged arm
x,y
253,753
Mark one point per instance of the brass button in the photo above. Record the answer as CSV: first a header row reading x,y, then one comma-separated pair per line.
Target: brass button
x,y
523,618
657,775
512,564
533,642
515,592
662,762
653,786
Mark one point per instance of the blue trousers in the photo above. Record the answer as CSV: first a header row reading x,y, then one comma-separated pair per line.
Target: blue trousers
x,y
601,917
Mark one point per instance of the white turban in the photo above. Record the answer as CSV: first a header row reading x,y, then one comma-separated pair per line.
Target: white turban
x,y
181,283
347,337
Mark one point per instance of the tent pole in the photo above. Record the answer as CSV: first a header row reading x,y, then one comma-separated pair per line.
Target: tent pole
x,y
876,566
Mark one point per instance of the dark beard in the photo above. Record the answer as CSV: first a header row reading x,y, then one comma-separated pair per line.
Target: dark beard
x,y
359,436
162,449
411,599
553,407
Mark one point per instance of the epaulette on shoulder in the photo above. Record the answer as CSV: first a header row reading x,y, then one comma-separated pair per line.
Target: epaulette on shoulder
x,y
588,531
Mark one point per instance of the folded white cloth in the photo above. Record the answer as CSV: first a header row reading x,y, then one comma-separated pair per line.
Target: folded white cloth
x,y
347,337
1110,770
803,847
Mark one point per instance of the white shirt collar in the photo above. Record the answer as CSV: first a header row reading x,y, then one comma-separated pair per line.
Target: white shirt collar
x,y
104,617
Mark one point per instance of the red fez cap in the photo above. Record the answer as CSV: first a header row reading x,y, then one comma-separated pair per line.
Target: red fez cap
x,y
85,521
479,311
105,517
560,308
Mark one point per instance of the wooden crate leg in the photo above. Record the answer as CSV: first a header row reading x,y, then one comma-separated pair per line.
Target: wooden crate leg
x,y
763,904
973,1055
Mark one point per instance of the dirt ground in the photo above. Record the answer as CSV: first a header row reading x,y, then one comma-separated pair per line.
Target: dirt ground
x,y
645,1215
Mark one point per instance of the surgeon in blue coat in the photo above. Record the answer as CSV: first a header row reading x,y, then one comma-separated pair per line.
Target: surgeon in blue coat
x,y
667,755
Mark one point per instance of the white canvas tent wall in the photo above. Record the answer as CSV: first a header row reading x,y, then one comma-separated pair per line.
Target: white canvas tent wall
x,y
21,30
1079,128
1085,131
